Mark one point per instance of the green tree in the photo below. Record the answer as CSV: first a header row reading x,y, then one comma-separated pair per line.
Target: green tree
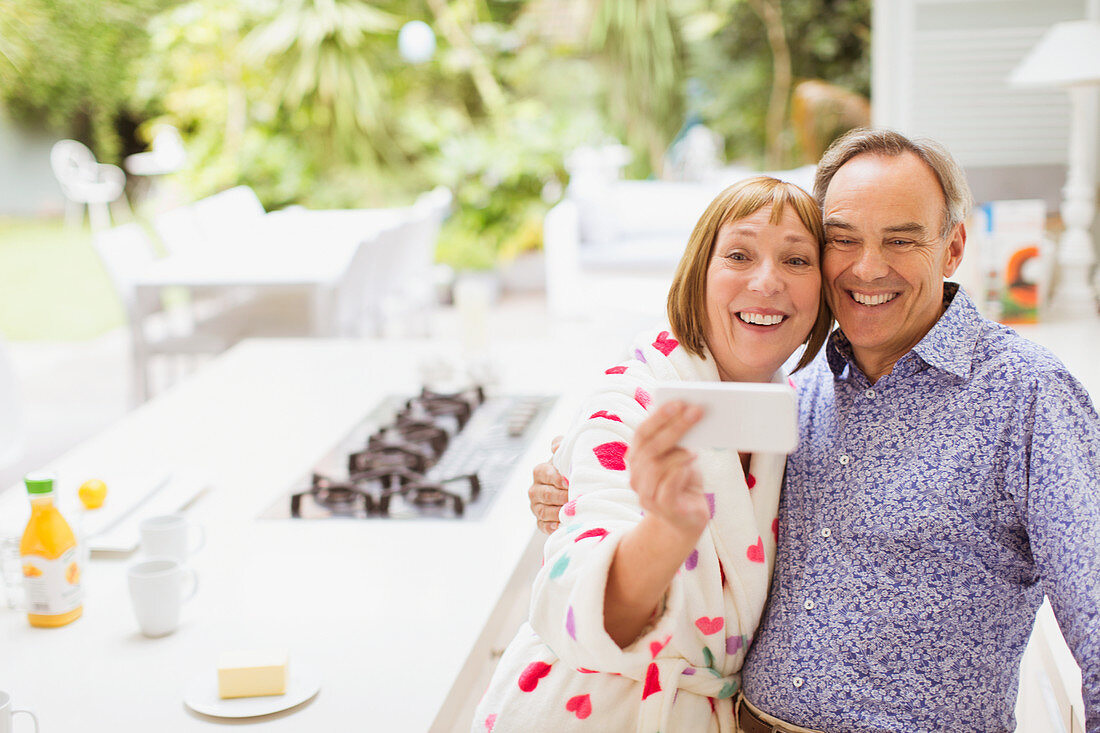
x,y
639,45
324,61
732,58
69,64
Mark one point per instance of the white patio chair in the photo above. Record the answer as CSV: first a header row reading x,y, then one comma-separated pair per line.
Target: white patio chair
x,y
364,287
214,221
167,154
210,223
184,333
229,215
86,182
178,229
149,170
410,293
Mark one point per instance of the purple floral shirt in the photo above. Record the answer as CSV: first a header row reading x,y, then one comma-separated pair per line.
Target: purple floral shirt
x,y
923,520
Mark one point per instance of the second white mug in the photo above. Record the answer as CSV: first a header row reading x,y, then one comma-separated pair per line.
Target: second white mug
x,y
157,593
7,712
171,535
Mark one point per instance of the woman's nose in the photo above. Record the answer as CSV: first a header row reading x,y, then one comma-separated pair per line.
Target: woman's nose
x,y
766,278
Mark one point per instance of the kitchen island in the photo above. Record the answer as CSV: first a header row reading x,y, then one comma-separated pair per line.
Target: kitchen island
x,y
392,613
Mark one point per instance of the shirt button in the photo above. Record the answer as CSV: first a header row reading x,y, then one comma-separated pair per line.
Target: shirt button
x,y
797,681
844,460
808,605
826,532
869,394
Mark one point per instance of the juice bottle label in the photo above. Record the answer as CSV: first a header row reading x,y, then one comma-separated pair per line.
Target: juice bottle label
x,y
52,586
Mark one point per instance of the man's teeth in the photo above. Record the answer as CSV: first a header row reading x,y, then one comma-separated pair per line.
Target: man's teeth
x,y
873,299
760,319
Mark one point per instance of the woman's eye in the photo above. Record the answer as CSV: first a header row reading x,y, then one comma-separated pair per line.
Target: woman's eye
x,y
799,261
736,256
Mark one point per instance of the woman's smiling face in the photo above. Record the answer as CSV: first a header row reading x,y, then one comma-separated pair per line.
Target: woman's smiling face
x,y
763,293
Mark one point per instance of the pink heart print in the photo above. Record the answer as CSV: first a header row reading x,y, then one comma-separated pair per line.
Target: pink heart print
x,y
775,528
570,508
605,415
652,681
594,532
611,456
665,343
490,722
642,398
710,625
580,705
655,647
615,370
530,677
750,480
756,552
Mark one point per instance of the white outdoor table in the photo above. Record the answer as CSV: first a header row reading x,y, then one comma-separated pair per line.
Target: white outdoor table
x,y
294,249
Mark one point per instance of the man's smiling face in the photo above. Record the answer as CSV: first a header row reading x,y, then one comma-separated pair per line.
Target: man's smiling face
x,y
885,256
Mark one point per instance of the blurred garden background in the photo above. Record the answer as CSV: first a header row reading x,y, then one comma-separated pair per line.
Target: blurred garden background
x,y
348,103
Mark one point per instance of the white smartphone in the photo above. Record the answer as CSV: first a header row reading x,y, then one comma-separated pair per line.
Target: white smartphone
x,y
751,417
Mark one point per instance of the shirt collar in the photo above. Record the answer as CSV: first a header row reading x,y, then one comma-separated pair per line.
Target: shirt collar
x,y
948,346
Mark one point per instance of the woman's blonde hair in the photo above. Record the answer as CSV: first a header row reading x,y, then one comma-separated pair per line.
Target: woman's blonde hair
x,y
687,298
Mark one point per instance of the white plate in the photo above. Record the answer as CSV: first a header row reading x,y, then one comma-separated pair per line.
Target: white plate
x,y
202,697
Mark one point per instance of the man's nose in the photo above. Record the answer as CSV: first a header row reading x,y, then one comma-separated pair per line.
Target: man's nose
x,y
871,264
766,278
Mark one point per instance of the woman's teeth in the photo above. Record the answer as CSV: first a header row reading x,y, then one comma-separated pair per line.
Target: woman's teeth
x,y
759,319
873,299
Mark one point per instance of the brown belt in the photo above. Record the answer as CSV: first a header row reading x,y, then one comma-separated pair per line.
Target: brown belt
x,y
750,722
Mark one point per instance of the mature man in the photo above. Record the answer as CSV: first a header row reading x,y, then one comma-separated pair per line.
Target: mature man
x,y
948,476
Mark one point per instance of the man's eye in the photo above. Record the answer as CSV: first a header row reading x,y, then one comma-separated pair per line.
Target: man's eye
x,y
842,241
899,242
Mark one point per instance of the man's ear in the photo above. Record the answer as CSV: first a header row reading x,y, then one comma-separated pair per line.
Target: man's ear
x,y
956,243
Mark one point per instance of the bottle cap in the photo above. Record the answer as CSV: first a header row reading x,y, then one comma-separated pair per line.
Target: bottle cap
x,y
39,483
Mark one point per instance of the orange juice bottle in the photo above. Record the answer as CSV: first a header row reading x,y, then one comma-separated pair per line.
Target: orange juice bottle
x,y
51,571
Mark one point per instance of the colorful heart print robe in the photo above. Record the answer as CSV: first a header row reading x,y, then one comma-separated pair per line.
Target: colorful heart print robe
x,y
562,671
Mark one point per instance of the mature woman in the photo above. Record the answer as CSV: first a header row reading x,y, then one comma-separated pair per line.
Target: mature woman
x,y
653,586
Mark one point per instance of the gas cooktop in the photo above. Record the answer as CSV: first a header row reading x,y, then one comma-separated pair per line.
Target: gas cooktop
x,y
432,455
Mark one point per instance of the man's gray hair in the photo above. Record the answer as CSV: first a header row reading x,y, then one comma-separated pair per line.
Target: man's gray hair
x,y
864,140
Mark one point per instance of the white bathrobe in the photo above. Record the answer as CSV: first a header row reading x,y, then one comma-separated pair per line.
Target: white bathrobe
x,y
562,671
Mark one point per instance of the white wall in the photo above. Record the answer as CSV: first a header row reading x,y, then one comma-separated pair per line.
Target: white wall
x,y
27,185
940,69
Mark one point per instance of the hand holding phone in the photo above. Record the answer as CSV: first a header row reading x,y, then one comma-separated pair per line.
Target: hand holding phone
x,y
750,417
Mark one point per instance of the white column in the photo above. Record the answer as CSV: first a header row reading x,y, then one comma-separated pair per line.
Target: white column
x,y
1073,295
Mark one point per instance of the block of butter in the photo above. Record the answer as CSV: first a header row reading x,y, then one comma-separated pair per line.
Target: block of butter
x,y
252,673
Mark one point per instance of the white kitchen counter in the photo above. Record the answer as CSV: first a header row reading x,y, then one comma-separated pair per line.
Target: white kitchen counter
x,y
388,611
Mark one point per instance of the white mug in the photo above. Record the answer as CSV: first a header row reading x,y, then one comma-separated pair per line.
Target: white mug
x,y
157,593
170,535
7,712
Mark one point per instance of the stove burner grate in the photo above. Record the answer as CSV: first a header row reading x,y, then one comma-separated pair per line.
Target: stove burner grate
x,y
435,455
